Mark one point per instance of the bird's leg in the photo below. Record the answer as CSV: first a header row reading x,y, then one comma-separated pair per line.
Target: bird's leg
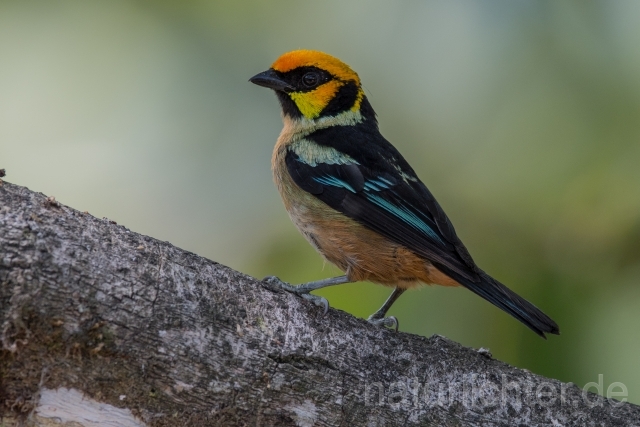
x,y
304,289
378,318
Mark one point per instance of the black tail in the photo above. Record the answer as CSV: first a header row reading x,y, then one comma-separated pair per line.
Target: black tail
x,y
502,297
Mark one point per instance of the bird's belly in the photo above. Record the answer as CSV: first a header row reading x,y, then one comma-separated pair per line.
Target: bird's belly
x,y
361,253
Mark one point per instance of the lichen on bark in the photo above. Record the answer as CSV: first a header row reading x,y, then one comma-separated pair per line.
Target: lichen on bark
x,y
88,306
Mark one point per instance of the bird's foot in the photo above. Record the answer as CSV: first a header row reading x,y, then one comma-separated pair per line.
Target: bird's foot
x,y
317,300
275,281
387,322
298,290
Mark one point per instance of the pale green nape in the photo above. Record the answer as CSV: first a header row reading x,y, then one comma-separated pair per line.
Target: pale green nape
x,y
312,154
301,127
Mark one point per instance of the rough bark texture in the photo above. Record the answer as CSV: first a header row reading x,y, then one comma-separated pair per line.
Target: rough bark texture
x,y
98,321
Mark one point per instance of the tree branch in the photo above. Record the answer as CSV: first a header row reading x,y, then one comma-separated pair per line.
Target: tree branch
x,y
103,326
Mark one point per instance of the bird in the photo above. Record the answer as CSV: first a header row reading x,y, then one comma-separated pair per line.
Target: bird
x,y
356,199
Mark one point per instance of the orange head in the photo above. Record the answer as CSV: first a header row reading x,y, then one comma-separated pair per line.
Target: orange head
x,y
312,84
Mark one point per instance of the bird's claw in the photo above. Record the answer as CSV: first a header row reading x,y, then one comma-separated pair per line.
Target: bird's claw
x,y
316,299
274,280
387,322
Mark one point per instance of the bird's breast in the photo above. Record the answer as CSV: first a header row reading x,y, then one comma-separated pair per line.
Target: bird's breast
x,y
360,252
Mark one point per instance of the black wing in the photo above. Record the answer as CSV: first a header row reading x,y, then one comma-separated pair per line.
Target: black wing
x,y
390,201
382,192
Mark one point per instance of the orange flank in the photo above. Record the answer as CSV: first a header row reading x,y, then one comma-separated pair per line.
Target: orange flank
x,y
367,256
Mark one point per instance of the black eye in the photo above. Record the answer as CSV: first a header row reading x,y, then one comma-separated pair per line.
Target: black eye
x,y
311,79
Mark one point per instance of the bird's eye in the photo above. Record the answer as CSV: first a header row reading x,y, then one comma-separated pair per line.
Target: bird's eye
x,y
310,79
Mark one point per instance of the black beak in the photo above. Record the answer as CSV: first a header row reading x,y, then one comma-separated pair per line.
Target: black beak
x,y
271,80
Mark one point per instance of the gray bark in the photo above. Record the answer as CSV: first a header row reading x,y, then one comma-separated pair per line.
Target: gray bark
x,y
99,321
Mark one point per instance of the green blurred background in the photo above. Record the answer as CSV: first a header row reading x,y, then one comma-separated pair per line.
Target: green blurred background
x,y
522,117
